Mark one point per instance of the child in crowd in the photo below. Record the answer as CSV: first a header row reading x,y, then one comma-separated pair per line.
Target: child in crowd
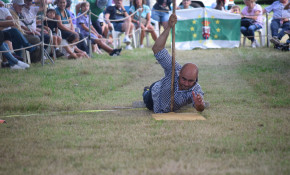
x,y
144,22
236,9
71,51
52,26
185,5
84,24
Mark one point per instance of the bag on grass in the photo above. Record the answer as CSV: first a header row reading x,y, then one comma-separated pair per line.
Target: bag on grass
x,y
247,22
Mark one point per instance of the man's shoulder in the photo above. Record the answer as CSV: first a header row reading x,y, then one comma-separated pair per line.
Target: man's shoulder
x,y
5,12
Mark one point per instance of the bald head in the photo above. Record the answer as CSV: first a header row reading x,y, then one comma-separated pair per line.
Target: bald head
x,y
187,76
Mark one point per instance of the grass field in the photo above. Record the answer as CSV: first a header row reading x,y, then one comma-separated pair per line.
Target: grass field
x,y
246,131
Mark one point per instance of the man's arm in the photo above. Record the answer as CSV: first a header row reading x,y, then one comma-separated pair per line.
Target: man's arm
x,y
161,40
8,23
198,102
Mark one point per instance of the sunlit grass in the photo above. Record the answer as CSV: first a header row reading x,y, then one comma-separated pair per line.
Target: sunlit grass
x,y
246,131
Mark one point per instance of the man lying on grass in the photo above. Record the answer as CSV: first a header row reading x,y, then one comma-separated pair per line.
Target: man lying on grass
x,y
186,89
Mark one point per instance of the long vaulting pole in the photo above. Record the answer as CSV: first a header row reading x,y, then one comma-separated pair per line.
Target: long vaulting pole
x,y
173,61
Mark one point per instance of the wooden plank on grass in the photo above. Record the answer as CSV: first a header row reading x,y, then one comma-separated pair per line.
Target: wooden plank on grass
x,y
178,116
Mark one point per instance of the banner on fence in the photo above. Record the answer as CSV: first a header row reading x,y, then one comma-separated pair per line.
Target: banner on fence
x,y
206,28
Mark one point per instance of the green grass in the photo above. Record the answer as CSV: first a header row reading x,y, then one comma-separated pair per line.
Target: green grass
x,y
246,131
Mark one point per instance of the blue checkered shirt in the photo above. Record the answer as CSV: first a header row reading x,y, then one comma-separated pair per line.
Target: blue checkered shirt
x,y
278,9
161,91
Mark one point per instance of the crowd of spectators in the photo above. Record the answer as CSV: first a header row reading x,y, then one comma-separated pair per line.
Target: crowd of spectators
x,y
64,27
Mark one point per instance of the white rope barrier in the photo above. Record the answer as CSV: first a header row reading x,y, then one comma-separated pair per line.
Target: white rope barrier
x,y
66,44
49,19
123,19
21,48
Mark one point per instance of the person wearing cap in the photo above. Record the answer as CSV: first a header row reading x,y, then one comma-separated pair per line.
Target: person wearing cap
x,y
118,12
28,23
15,11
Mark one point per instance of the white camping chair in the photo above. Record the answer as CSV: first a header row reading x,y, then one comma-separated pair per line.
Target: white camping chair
x,y
261,33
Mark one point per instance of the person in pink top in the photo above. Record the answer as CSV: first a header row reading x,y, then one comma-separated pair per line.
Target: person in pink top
x,y
252,11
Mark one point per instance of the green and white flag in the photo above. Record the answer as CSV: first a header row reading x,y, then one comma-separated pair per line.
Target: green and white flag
x,y
206,28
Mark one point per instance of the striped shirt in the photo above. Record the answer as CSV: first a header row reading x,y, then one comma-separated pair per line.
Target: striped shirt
x,y
161,91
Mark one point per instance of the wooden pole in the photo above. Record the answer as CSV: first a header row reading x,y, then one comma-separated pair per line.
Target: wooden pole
x,y
173,61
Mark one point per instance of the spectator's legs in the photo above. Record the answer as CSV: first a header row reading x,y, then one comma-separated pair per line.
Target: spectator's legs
x,y
251,31
36,55
103,45
82,45
164,19
10,58
285,27
46,39
97,26
18,40
152,31
275,25
244,31
142,34
127,26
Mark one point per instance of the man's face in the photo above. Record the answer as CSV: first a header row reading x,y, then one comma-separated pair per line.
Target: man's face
x,y
17,8
28,3
118,3
283,1
187,79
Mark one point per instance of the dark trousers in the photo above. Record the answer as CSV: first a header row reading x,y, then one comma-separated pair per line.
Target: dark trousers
x,y
17,38
147,98
97,26
82,45
275,25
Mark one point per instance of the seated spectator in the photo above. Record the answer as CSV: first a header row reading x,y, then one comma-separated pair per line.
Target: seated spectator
x,y
84,24
236,9
280,20
118,12
13,62
97,7
72,15
72,51
252,11
66,26
160,12
28,23
145,19
52,26
185,5
15,11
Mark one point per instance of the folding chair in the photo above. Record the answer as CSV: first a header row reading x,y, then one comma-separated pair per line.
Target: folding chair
x,y
117,38
261,33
